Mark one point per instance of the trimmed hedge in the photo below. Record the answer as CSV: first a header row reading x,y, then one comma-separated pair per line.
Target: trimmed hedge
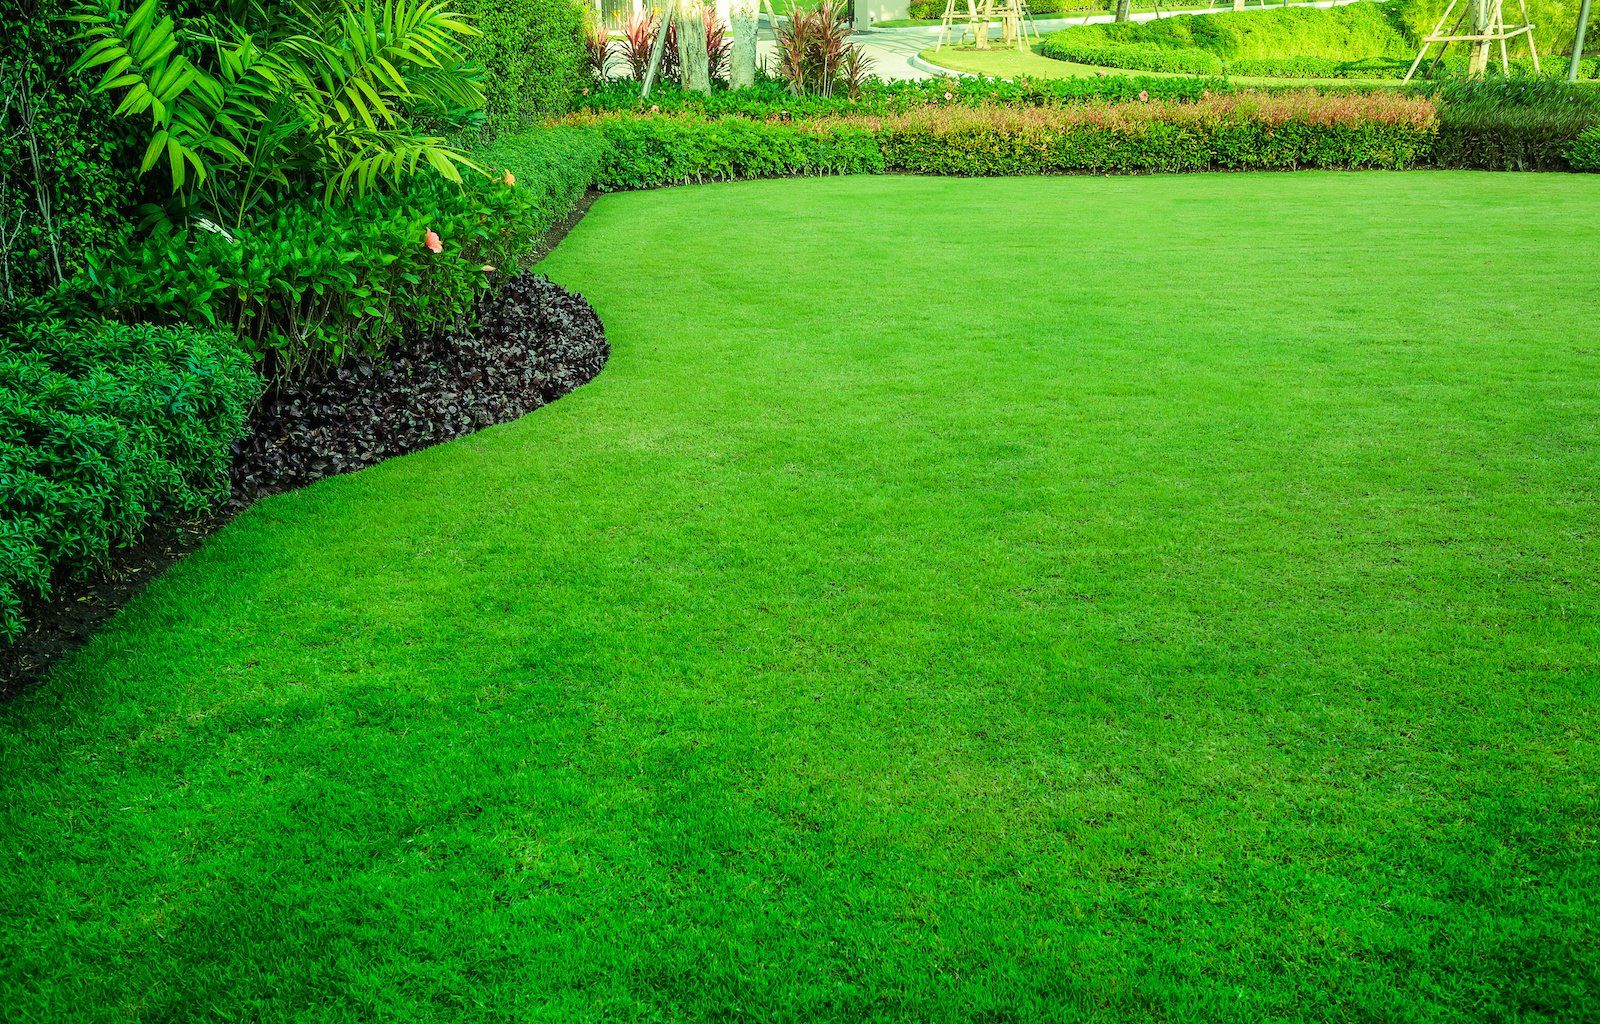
x,y
1265,130
105,428
1143,56
1281,132
648,152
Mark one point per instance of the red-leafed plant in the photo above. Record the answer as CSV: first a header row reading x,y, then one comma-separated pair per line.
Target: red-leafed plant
x,y
815,55
638,35
597,43
718,46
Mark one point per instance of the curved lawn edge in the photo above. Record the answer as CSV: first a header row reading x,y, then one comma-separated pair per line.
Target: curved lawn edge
x,y
881,654
77,609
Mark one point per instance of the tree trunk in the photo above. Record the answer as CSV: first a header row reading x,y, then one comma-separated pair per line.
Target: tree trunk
x,y
1478,63
742,56
1238,5
693,62
1123,9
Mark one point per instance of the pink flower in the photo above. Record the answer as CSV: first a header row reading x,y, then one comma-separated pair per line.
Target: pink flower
x,y
509,179
432,241
949,96
1100,74
1144,97
654,109
586,92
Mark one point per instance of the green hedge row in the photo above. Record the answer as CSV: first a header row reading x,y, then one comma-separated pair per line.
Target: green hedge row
x,y
103,429
1266,130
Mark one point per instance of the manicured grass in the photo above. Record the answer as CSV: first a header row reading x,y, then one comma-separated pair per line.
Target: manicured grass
x,y
1165,598
1002,62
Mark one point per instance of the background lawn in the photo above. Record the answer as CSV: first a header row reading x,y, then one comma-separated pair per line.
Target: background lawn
x,y
1159,598
1008,62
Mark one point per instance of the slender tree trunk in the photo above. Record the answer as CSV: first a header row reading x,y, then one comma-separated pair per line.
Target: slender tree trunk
x,y
1478,63
742,55
1577,42
1238,5
1123,10
693,62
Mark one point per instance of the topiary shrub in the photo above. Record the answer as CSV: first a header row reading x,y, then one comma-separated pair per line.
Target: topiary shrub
x,y
533,55
104,428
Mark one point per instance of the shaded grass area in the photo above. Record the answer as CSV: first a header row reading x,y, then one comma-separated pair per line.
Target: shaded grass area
x,y
1018,599
1002,62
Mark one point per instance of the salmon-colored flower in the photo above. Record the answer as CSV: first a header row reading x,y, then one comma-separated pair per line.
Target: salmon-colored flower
x,y
1144,97
949,95
654,109
432,241
509,179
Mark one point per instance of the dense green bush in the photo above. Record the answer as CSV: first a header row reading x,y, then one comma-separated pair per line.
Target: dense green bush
x,y
532,56
1584,153
103,429
68,177
304,283
1513,125
553,166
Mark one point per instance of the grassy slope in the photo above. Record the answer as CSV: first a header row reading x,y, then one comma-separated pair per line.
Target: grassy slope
x,y
1009,63
1110,599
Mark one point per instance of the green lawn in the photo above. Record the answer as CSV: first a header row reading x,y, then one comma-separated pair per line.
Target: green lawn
x,y
1115,599
1004,62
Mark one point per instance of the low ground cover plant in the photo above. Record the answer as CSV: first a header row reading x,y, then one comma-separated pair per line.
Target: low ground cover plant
x,y
529,343
104,428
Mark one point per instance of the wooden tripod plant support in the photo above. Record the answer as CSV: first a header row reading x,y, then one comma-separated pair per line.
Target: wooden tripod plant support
x,y
1488,26
1015,23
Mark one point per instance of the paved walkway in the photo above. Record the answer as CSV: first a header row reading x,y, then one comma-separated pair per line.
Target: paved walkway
x,y
892,49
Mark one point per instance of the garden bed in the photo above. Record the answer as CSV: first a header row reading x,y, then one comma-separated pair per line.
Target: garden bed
x,y
529,343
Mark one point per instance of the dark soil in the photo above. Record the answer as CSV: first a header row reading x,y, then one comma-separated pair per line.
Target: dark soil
x,y
531,343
